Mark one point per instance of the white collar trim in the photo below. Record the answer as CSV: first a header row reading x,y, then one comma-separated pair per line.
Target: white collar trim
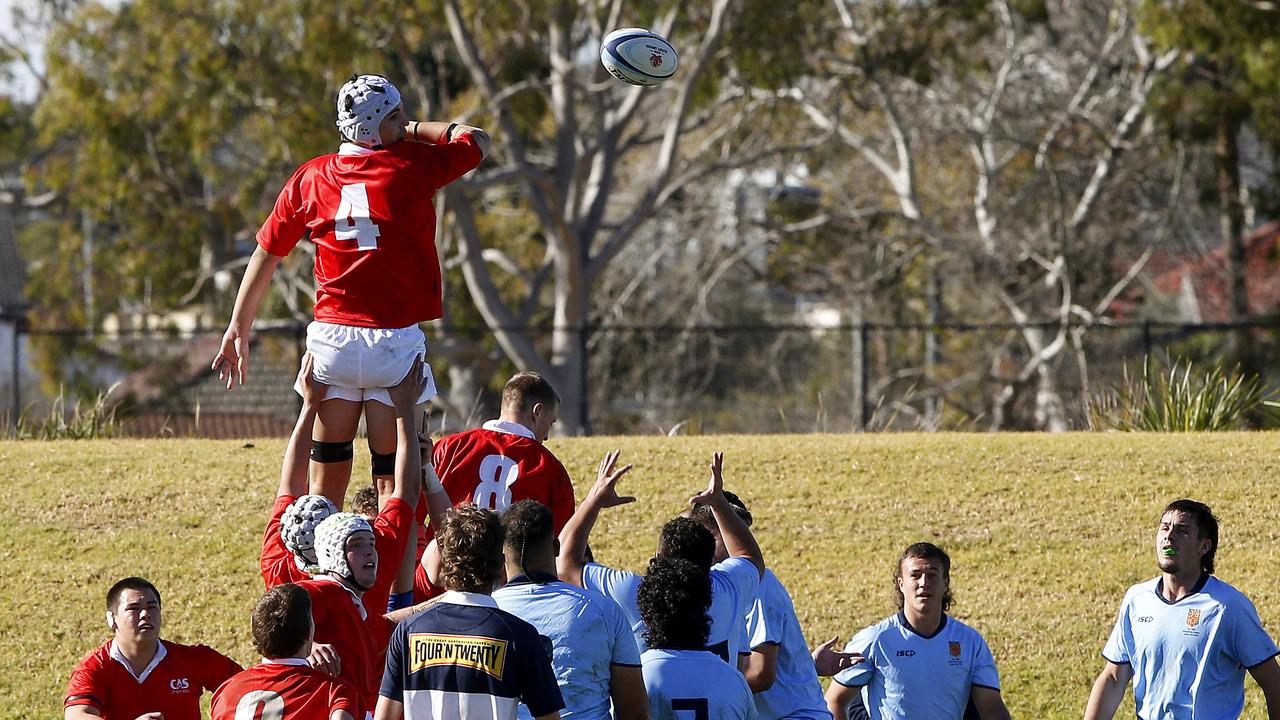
x,y
302,662
466,598
119,657
355,599
347,148
509,427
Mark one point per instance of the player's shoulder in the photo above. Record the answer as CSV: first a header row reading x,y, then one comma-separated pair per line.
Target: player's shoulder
x,y
1140,590
958,628
1225,592
96,658
196,652
891,624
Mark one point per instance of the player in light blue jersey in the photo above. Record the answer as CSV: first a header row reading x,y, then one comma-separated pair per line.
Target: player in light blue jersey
x,y
920,663
733,582
683,679
780,662
593,653
778,667
1186,638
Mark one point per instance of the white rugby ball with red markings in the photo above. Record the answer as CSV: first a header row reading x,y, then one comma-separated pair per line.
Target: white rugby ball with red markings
x,y
637,56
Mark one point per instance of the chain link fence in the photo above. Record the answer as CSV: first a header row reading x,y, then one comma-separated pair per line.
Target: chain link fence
x,y
644,380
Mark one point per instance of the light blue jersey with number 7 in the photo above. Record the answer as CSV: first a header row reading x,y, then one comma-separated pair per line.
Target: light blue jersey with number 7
x,y
694,685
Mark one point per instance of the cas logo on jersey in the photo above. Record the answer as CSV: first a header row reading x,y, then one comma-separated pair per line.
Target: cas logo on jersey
x,y
1193,618
179,685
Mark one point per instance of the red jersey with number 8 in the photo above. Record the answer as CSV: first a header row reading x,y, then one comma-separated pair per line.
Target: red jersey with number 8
x,y
500,464
371,216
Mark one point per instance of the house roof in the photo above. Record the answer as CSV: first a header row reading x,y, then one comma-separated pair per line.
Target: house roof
x,y
1207,276
12,271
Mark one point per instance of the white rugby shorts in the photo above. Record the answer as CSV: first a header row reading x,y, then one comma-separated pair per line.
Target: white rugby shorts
x,y
360,363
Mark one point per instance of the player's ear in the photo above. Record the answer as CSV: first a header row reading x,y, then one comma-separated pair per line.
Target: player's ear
x,y
111,620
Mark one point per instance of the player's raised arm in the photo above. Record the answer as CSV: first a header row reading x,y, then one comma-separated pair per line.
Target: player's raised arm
x,y
404,396
738,540
439,133
576,532
232,359
1108,691
293,471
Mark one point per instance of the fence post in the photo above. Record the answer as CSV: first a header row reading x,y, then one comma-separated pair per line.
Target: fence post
x,y
859,362
1146,340
16,392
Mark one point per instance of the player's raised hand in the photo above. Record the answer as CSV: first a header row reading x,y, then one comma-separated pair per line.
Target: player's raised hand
x,y
829,661
605,491
405,393
232,360
151,716
313,391
325,658
715,488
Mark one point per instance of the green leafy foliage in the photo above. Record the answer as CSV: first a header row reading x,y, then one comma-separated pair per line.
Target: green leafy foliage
x,y
1180,399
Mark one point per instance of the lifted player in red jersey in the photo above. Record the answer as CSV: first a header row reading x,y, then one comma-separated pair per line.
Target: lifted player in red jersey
x,y
288,542
502,463
368,209
349,593
136,675
284,686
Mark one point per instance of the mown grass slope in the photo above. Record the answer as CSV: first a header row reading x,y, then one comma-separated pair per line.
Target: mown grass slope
x,y
1046,532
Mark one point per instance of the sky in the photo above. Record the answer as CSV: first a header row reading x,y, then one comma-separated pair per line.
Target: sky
x,y
22,83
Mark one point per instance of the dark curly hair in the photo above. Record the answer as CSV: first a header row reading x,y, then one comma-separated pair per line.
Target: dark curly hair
x,y
527,524
365,501
925,551
673,599
470,549
687,539
282,621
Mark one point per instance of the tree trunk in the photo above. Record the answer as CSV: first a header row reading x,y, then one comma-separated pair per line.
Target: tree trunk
x,y
1230,225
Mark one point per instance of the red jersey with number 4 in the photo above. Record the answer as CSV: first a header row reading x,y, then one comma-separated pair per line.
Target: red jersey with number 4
x,y
494,466
370,215
171,684
283,690
360,642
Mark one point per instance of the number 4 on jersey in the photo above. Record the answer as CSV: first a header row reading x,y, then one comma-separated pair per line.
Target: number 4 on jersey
x,y
352,222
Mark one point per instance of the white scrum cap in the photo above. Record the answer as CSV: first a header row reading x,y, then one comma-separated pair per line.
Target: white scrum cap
x,y
298,525
331,542
363,102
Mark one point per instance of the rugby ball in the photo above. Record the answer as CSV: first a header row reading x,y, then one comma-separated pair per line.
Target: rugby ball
x,y
637,56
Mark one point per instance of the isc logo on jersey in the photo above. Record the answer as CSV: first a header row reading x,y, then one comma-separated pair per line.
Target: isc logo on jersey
x,y
488,655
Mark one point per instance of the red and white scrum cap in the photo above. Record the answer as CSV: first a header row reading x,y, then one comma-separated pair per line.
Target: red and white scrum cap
x,y
363,102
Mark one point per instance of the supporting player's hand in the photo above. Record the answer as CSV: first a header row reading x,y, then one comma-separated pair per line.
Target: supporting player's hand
x,y
232,360
605,492
715,489
313,391
829,661
405,394
151,716
325,659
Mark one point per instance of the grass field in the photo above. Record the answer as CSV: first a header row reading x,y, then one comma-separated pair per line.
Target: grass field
x,y
1045,532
